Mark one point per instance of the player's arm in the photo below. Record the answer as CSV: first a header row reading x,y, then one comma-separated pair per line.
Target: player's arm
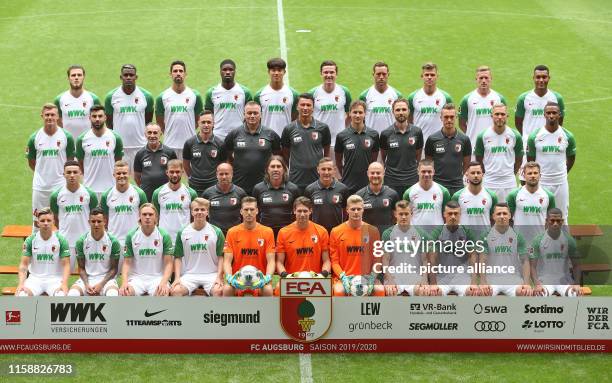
x,y
519,114
467,154
22,272
339,164
463,114
472,260
64,254
375,147
178,258
159,113
286,143
80,258
325,261
228,259
280,263
187,158
168,250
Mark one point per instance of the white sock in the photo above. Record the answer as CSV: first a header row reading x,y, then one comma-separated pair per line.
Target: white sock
x,y
74,293
112,293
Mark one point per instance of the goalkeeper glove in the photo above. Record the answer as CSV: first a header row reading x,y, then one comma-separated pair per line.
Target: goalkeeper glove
x,y
325,273
346,282
284,274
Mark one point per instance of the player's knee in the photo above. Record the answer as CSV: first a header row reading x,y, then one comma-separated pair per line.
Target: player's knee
x,y
24,293
339,290
228,291
59,293
112,293
267,291
74,292
178,291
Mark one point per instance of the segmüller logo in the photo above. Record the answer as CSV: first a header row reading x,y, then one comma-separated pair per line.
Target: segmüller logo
x,y
157,322
305,307
433,326
78,317
12,317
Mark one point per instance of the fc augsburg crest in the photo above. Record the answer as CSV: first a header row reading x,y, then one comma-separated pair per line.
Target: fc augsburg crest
x,y
305,307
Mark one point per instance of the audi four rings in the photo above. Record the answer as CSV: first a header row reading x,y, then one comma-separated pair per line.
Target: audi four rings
x,y
490,326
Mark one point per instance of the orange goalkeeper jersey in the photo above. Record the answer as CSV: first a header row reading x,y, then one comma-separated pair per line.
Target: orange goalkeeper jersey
x,y
249,247
302,248
351,250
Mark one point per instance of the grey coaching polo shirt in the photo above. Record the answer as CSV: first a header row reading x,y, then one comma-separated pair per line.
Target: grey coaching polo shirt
x,y
448,153
356,149
305,150
275,205
329,203
204,158
224,210
401,162
378,208
152,166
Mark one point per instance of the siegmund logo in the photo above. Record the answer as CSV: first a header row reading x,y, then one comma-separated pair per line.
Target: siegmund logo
x,y
153,322
78,317
224,319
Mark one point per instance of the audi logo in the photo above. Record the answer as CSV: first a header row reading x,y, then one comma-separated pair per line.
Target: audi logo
x,y
490,326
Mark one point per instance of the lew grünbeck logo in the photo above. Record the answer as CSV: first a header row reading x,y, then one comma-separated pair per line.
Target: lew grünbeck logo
x,y
305,307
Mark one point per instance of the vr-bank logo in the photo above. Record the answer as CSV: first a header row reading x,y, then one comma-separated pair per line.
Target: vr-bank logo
x,y
78,318
433,308
490,309
490,326
597,318
305,307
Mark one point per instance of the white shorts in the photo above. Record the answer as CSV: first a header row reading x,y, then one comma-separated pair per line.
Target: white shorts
x,y
562,290
460,290
40,285
94,281
40,199
128,156
508,290
193,281
144,284
561,193
502,193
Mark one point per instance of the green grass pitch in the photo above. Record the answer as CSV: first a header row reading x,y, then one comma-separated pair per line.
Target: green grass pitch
x,y
40,39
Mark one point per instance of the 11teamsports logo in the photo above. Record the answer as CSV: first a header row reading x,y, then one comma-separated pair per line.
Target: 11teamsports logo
x,y
305,307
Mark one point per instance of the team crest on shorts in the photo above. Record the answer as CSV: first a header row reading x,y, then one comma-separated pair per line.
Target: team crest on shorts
x,y
260,242
315,239
233,201
285,197
262,142
305,307
213,153
457,148
314,135
410,141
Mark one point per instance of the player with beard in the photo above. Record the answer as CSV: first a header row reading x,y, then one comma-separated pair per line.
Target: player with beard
x,y
475,201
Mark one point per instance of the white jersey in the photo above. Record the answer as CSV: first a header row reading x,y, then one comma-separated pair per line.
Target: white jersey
x,y
122,209
227,106
507,249
499,152
551,150
72,211
379,114
173,207
460,237
147,251
427,205
179,111
410,256
199,250
530,107
98,155
50,153
426,109
75,111
128,111
476,209
529,210
553,258
97,254
276,106
45,255
331,108
477,110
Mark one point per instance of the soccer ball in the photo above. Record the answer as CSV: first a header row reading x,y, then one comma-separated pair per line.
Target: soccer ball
x,y
360,286
248,277
305,274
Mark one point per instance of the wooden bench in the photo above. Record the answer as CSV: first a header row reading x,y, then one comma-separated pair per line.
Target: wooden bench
x,y
17,231
585,231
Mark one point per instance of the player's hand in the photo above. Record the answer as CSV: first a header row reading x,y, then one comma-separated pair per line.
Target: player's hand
x,y
486,290
162,290
64,288
218,282
434,290
475,289
98,288
390,290
19,289
527,290
539,291
124,290
577,290
176,282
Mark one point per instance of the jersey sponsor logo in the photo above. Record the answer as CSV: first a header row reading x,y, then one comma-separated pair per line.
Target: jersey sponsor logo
x,y
425,206
499,149
174,206
215,203
44,257
458,147
297,139
537,112
314,135
123,209
483,111
532,209
354,249
394,144
318,201
249,251
276,108
99,152
367,205
350,146
198,247
429,110
554,255
305,308
241,144
147,163
96,257
228,105
146,252
213,153
76,113
178,108
440,149
262,142
267,199
127,109
503,249
304,251
551,149
381,109
73,208
475,210
50,152
329,107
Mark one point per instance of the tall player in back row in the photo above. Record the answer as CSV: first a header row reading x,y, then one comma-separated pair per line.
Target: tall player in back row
x,y
177,109
129,108
227,100
74,104
331,100
475,109
278,100
529,115
379,98
427,102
